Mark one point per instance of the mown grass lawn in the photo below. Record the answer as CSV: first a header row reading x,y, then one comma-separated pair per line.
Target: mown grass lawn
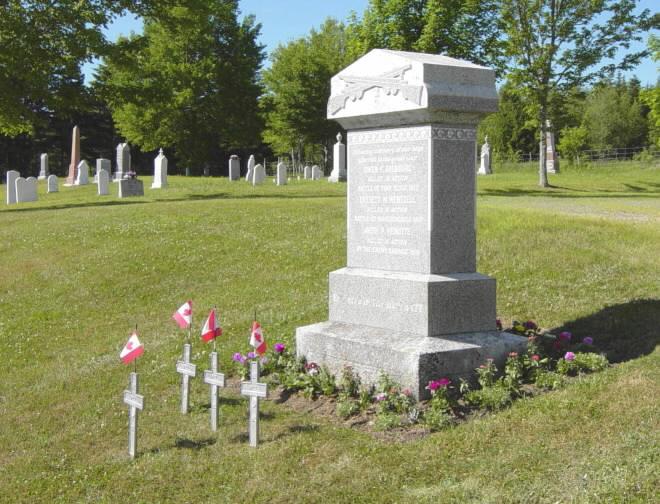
x,y
78,272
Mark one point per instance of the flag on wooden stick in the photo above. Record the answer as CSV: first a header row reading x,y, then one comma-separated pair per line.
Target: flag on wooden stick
x,y
211,329
183,316
257,338
132,350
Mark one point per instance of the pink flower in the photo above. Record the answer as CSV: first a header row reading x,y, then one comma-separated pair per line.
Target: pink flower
x,y
536,358
565,336
436,384
444,382
312,368
498,324
569,356
513,355
406,392
279,347
381,397
588,340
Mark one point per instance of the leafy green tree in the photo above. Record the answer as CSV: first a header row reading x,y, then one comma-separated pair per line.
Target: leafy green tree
x,y
298,88
466,29
651,97
562,44
189,82
573,140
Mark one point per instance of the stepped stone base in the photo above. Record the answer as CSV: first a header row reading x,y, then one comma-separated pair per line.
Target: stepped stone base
x,y
409,359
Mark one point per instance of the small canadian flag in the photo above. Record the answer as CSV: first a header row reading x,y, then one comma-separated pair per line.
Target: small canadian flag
x,y
257,338
183,315
211,328
132,350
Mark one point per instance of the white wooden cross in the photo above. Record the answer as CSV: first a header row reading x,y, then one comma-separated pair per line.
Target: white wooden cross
x,y
215,380
187,370
135,402
254,390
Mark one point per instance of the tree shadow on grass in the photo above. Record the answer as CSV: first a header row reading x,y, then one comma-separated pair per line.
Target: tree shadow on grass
x,y
623,331
570,193
192,444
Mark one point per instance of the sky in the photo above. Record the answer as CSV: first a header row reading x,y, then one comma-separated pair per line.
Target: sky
x,y
286,20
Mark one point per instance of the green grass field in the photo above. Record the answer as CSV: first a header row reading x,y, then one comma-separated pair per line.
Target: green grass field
x,y
79,271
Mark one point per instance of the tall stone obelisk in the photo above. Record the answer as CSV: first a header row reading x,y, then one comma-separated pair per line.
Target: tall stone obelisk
x,y
75,157
410,302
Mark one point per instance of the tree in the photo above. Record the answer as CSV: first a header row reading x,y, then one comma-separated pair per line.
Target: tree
x,y
298,88
573,140
651,97
466,29
561,44
189,82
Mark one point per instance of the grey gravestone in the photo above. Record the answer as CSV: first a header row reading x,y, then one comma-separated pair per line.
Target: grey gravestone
x,y
26,189
281,179
258,175
214,379
160,171
551,157
102,164
51,184
103,182
250,169
130,187
82,177
307,172
484,167
123,161
338,162
234,167
187,371
254,390
410,302
11,177
135,402
317,173
43,168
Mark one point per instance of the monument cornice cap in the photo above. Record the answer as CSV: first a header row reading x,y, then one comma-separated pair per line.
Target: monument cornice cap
x,y
391,88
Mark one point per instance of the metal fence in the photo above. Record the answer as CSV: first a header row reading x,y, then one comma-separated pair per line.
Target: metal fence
x,y
605,155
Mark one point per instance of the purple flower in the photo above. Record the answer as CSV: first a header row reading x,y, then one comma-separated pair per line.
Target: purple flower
x,y
381,397
251,355
588,340
279,347
530,324
565,336
263,360
570,356
436,384
498,324
238,357
312,368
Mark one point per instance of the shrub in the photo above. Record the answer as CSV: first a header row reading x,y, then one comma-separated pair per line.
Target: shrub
x,y
491,398
437,419
387,420
486,373
349,382
347,407
549,380
573,363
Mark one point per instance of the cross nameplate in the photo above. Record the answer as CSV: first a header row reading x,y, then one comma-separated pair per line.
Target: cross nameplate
x,y
211,378
215,380
254,390
187,370
134,400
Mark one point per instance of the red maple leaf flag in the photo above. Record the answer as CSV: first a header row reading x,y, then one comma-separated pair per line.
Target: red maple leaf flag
x,y
132,350
183,315
211,328
257,338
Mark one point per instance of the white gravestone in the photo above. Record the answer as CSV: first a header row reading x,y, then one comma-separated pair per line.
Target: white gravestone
x,y
26,189
214,379
258,175
307,172
52,184
484,167
135,402
83,173
317,173
410,302
250,169
160,171
43,168
123,161
254,390
12,175
187,371
338,162
551,157
281,174
103,182
102,164
234,167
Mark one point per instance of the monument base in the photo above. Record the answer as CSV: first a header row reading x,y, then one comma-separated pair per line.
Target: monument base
x,y
409,359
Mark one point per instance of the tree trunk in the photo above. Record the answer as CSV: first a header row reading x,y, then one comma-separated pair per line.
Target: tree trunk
x,y
543,174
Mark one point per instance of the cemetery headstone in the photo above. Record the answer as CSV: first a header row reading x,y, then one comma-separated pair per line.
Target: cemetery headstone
x,y
130,187
281,179
255,391
214,379
317,173
135,402
123,161
551,157
410,302
484,167
52,184
250,169
187,370
43,166
75,157
103,182
102,164
160,171
307,172
234,167
26,189
83,173
258,175
11,177
338,162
